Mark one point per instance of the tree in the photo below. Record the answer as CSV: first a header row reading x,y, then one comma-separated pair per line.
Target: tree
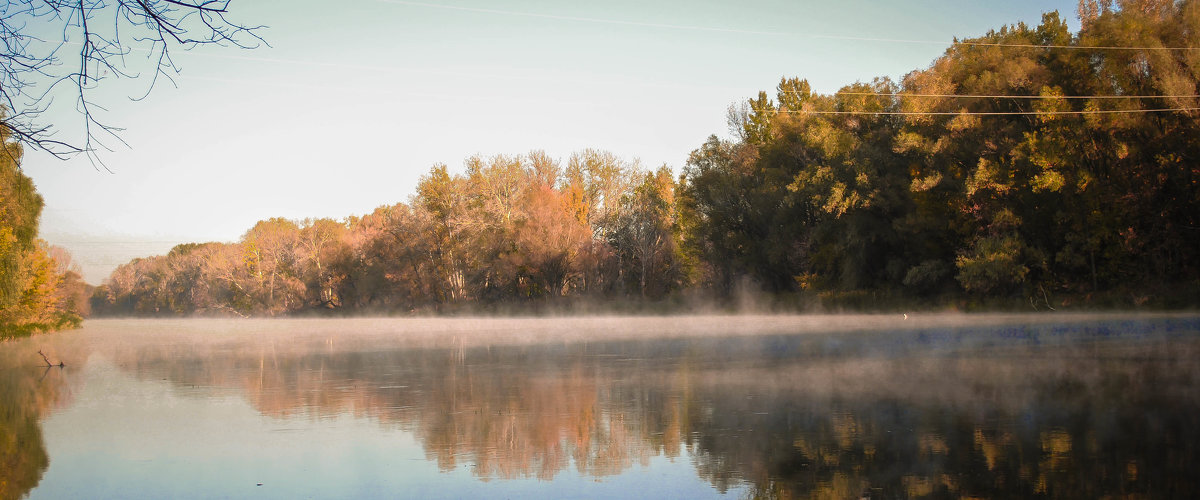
x,y
115,38
595,182
20,208
442,196
270,251
72,293
322,241
715,212
496,194
37,293
645,235
551,240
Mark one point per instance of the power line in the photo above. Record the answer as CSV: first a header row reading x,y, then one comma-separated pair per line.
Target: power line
x,y
987,113
717,29
110,242
1068,47
984,96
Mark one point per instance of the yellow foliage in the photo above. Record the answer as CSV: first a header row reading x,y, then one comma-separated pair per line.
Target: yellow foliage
x,y
1049,180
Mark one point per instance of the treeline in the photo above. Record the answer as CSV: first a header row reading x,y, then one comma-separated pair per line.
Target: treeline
x,y
1054,176
1030,164
509,228
40,288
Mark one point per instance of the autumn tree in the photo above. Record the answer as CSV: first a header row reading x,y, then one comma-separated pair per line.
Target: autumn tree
x,y
442,196
394,268
20,208
270,251
553,239
37,293
321,244
646,234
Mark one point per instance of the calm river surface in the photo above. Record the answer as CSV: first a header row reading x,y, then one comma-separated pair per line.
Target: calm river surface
x,y
1066,406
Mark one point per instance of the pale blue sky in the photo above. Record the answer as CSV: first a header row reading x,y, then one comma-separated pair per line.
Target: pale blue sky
x,y
351,105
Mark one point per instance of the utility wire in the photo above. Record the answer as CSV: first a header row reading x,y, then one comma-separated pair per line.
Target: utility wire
x,y
979,96
1068,47
987,113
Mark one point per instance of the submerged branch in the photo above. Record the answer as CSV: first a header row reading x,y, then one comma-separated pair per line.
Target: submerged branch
x,y
47,360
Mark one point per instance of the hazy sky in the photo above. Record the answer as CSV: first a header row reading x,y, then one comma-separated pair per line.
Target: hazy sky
x,y
351,105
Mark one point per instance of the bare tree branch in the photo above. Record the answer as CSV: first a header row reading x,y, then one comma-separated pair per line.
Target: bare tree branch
x,y
47,360
36,35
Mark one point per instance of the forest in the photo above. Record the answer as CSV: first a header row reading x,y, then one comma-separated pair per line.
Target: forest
x,y
1030,167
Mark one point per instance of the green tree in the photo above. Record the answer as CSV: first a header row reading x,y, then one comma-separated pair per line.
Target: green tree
x,y
716,216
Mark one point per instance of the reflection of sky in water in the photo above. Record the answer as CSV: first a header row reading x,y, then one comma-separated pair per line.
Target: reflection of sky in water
x,y
1012,406
128,438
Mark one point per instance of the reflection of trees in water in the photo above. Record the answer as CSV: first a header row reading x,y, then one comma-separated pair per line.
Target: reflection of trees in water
x,y
27,393
789,417
1027,426
22,454
506,411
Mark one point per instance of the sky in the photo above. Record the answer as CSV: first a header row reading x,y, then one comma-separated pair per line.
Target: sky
x,y
354,101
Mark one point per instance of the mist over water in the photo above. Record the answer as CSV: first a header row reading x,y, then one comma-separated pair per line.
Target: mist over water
x,y
691,406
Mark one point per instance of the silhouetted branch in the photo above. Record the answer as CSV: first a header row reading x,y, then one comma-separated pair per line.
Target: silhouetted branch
x,y
106,32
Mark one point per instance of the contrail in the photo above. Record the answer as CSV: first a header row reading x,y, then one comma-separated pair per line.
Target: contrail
x,y
714,29
586,19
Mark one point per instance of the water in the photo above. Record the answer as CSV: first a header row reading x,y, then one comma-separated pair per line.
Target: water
x,y
697,407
